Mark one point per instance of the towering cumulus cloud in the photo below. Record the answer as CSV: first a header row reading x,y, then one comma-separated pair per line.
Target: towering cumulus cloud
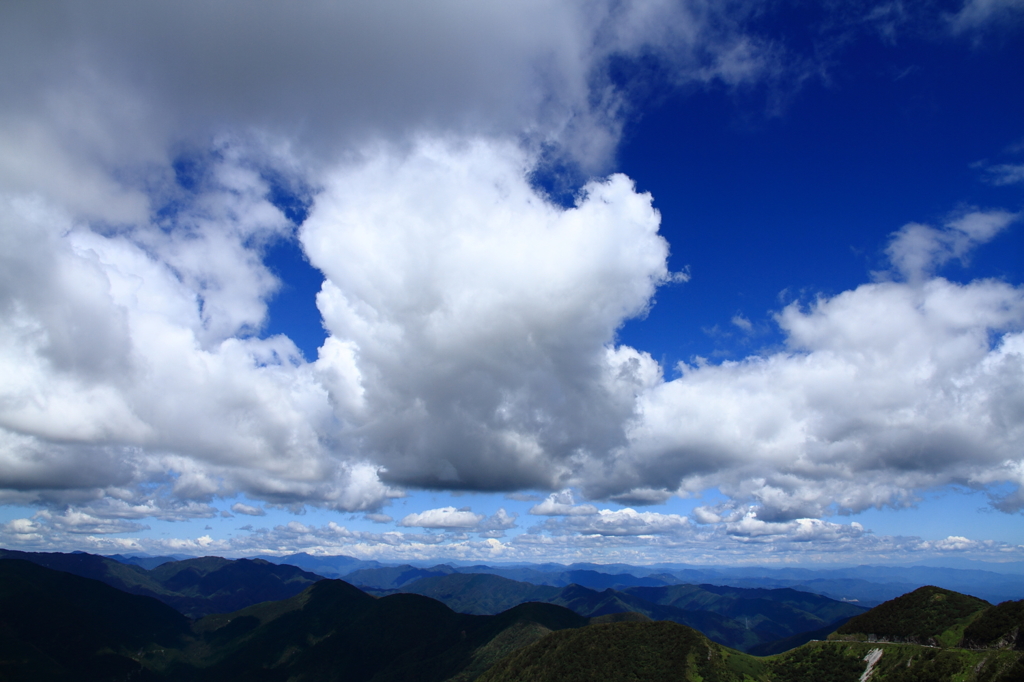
x,y
472,322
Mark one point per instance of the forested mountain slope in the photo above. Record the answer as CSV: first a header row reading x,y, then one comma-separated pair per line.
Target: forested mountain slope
x,y
55,625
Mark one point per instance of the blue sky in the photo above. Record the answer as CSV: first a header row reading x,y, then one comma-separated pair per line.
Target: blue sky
x,y
678,281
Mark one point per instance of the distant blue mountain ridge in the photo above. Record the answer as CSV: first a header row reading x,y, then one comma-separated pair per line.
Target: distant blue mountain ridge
x,y
865,585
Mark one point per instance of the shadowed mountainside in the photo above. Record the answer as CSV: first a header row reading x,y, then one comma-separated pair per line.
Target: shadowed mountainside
x,y
59,626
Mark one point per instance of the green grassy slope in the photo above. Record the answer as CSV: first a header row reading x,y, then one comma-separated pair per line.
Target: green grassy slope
x,y
837,661
666,651
653,652
928,615
1000,627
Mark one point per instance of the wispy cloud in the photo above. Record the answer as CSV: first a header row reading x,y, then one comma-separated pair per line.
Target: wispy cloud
x,y
1005,173
248,510
978,15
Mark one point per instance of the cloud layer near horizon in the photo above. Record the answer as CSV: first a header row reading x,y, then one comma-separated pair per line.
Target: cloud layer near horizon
x,y
605,536
472,321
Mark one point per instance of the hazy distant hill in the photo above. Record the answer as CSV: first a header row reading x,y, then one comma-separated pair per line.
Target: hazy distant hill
x,y
864,585
738,618
779,615
393,577
594,579
870,585
195,587
334,566
800,610
480,593
147,562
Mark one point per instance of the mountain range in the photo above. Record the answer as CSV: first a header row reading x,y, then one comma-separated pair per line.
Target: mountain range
x,y
83,617
865,585
748,619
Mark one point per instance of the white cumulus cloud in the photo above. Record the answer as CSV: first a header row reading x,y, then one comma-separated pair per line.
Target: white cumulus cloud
x,y
480,317
884,389
626,522
445,517
562,504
